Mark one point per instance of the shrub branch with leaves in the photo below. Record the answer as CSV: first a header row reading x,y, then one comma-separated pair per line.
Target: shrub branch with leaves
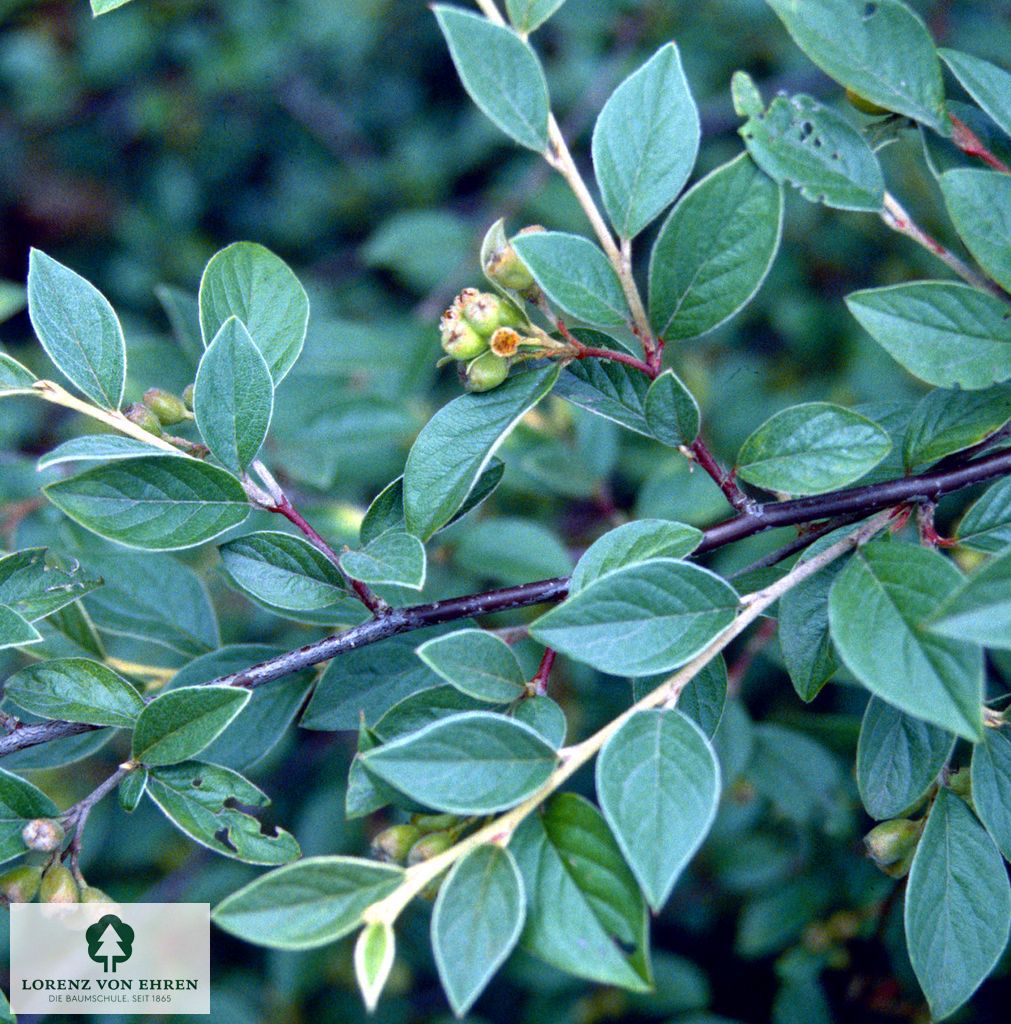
x,y
471,761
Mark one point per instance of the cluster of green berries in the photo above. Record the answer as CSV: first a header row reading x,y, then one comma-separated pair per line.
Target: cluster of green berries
x,y
421,839
484,331
160,409
51,882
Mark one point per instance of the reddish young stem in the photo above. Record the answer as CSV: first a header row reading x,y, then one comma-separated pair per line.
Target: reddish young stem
x,y
543,673
582,351
373,602
724,480
971,144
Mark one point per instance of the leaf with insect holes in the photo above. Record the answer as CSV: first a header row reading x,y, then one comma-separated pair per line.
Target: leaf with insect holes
x,y
78,329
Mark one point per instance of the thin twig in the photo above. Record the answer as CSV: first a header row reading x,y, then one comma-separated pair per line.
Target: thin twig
x,y
725,481
539,683
896,217
76,817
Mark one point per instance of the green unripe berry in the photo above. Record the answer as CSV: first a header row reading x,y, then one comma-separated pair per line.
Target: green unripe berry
x,y
865,106
58,886
143,417
488,312
394,843
486,372
43,835
505,267
434,822
169,408
892,843
19,885
429,846
188,396
459,339
92,894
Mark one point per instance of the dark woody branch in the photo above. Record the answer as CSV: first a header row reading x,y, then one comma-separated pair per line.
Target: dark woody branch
x,y
853,502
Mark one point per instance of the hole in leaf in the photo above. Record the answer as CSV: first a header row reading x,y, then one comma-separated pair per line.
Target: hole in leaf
x,y
197,782
870,10
222,837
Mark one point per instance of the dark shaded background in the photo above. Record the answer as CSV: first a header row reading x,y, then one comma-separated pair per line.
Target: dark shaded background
x,y
335,132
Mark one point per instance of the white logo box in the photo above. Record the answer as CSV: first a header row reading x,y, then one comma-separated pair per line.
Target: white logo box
x,y
120,958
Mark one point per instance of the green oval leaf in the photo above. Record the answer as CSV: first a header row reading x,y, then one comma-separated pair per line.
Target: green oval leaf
x,y
818,150
14,377
945,333
177,725
658,783
671,411
714,250
978,201
980,609
78,329
500,73
393,557
477,663
247,281
987,84
575,275
645,142
98,448
945,422
476,923
527,15
986,526
77,690
811,448
470,763
888,58
991,786
310,903
898,759
958,906
159,504
887,590
633,542
642,618
283,570
585,912
457,444
233,397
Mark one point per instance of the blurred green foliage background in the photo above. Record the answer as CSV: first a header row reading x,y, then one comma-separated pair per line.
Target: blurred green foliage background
x,y
335,132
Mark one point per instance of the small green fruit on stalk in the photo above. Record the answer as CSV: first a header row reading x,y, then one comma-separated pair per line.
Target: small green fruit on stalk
x,y
92,894
43,835
428,847
459,338
394,843
891,845
58,886
143,417
486,372
19,885
169,408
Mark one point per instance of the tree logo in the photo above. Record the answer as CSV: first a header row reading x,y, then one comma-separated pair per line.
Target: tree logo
x,y
110,942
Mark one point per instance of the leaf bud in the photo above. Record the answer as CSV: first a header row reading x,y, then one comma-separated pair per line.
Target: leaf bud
x,y
188,392
434,822
169,408
459,339
486,372
43,835
429,846
892,843
20,884
58,886
505,267
394,843
143,417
